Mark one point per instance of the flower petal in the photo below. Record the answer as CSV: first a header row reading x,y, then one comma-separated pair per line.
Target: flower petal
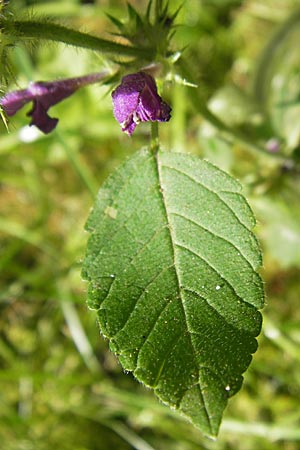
x,y
125,104
41,119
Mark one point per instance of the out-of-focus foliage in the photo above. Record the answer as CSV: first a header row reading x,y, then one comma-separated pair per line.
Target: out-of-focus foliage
x,y
60,387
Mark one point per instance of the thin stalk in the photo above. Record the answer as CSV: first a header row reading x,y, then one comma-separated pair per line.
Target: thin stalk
x,y
78,332
127,435
4,119
79,166
154,137
33,29
232,134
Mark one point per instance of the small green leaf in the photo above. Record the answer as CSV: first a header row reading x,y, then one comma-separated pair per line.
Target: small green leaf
x,y
171,264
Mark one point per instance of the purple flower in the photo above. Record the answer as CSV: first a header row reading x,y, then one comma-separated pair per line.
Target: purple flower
x,y
136,100
44,95
273,145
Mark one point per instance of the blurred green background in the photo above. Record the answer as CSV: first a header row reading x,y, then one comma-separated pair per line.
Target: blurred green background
x,y
60,386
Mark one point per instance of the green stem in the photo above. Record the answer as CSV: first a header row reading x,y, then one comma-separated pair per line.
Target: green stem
x,y
33,29
79,166
154,137
235,135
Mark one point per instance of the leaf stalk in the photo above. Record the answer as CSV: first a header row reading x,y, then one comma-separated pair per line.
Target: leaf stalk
x,y
154,137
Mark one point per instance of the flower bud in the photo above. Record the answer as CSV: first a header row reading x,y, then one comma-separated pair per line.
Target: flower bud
x,y
136,100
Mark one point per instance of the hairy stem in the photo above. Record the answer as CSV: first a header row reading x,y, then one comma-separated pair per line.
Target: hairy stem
x,y
33,29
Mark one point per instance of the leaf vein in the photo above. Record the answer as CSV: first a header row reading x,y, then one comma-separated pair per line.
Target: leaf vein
x,y
214,234
132,257
148,336
209,190
197,294
214,269
143,290
166,357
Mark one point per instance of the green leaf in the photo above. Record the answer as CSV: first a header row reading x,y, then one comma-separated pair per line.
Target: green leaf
x,y
171,264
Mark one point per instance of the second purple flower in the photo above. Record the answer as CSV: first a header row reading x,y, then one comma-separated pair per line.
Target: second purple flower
x,y
43,95
136,100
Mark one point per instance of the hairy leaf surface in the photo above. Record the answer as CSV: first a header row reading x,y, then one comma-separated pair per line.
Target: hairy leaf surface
x,y
172,270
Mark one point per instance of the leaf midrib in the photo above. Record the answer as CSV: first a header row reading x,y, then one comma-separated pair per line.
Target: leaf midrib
x,y
172,240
